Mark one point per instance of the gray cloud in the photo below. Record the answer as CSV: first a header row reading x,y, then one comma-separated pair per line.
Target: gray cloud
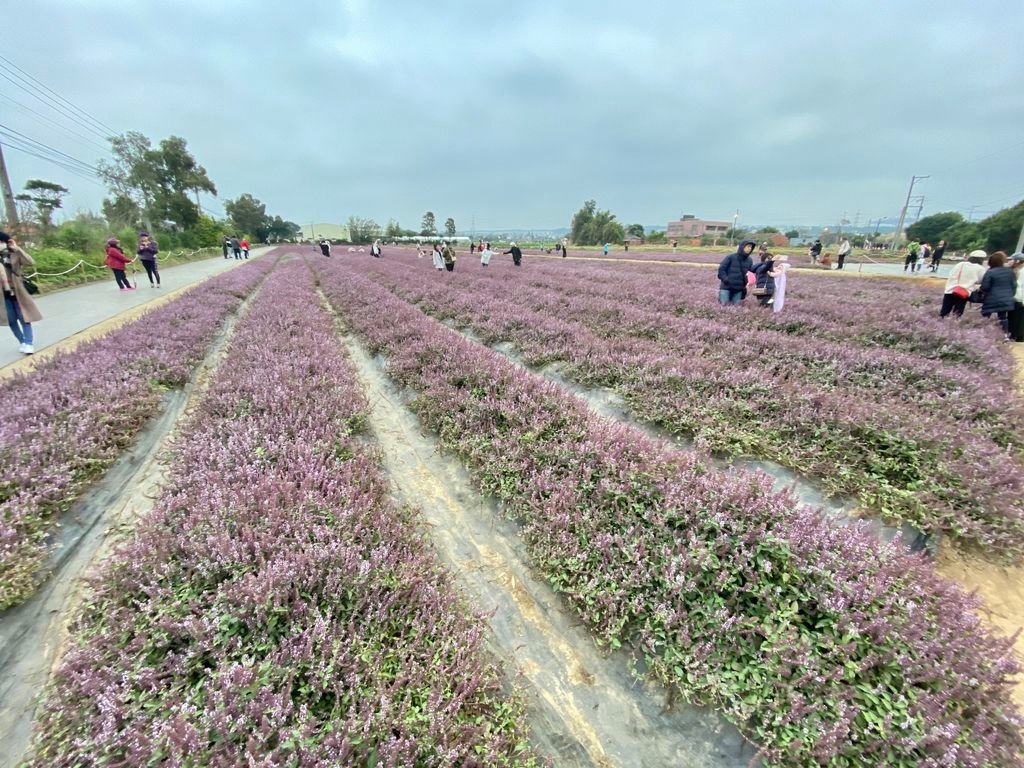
x,y
513,114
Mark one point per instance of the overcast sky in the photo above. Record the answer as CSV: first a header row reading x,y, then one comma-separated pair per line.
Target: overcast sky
x,y
511,114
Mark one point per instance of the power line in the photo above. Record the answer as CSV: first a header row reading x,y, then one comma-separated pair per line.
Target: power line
x,y
69,168
103,126
84,139
46,147
55,106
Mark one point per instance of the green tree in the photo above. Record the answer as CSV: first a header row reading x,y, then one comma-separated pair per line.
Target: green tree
x,y
768,230
449,227
1002,229
593,227
635,230
393,229
279,229
963,236
158,180
429,224
933,228
122,211
656,237
793,234
44,197
362,230
248,215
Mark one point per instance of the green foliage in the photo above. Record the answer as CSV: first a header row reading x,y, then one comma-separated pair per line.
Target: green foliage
x,y
593,227
635,230
362,230
657,237
767,231
963,236
792,234
449,227
248,215
429,224
933,228
1002,229
42,198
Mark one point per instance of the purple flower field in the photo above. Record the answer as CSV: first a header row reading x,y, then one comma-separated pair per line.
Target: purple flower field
x,y
822,645
858,384
276,608
75,413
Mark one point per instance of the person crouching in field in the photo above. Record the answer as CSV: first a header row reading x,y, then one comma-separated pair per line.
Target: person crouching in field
x,y
962,281
732,274
117,261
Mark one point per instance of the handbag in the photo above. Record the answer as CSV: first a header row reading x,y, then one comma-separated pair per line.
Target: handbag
x,y
960,292
976,297
30,286
762,291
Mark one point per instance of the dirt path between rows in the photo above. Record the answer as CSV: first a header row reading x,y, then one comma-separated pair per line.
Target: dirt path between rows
x,y
585,708
34,634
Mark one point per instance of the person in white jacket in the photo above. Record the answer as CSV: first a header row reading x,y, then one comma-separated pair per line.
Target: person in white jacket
x,y
962,281
485,255
438,258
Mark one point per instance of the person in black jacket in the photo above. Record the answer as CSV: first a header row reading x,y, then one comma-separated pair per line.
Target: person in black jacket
x,y
998,287
815,251
937,255
732,274
517,254
765,279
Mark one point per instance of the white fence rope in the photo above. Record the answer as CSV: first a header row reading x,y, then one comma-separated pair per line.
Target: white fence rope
x,y
82,263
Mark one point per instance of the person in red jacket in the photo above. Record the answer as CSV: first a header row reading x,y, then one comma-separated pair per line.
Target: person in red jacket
x,y
245,247
117,261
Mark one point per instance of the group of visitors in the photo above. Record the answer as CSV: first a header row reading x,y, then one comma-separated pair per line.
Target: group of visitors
x,y
240,248
21,310
738,276
999,289
145,251
919,254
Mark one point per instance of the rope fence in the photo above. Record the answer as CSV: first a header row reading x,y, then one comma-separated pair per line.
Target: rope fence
x,y
82,263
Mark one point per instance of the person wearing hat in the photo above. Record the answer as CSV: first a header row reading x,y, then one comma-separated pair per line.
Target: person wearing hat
x,y
1016,317
147,252
963,280
517,254
117,261
21,310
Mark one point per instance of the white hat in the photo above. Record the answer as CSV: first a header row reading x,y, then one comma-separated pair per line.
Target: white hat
x,y
978,254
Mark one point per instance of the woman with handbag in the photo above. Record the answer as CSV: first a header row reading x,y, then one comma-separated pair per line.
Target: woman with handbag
x,y
764,279
962,281
21,310
998,287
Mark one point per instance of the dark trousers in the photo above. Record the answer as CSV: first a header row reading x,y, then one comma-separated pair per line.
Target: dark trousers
x,y
954,304
842,260
122,279
238,253
910,261
1016,321
450,267
1004,318
151,271
225,252
517,262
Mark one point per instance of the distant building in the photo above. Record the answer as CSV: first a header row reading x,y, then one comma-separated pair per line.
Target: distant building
x,y
691,226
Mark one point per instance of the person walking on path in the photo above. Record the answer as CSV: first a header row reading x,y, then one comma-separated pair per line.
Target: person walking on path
x,y
517,254
998,288
117,261
21,309
236,248
1016,317
325,247
732,274
227,245
438,259
485,255
448,254
147,252
923,253
245,248
937,255
843,252
781,267
961,283
815,251
911,259
565,250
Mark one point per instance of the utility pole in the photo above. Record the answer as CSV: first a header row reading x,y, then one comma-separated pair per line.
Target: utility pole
x,y
903,214
735,219
9,206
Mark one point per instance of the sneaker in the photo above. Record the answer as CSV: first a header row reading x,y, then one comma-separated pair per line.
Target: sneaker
x,y
28,349
129,288
21,347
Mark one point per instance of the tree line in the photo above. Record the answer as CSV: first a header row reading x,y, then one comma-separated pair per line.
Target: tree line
x,y
998,232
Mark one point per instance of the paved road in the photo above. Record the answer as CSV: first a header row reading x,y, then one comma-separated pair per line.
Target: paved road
x,y
72,310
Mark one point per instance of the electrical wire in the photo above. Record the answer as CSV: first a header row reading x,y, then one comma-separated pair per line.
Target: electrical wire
x,y
69,168
46,147
56,107
8,65
84,139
